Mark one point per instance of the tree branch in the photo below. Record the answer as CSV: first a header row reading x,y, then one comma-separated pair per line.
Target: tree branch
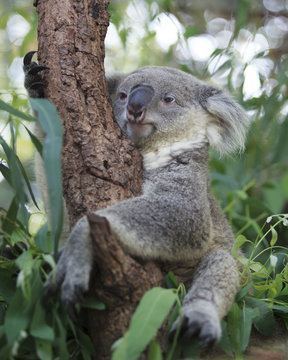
x,y
120,282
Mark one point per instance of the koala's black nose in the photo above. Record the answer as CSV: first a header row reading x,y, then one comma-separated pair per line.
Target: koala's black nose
x,y
138,101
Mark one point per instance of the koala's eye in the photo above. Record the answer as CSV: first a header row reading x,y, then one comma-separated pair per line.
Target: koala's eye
x,y
168,99
122,96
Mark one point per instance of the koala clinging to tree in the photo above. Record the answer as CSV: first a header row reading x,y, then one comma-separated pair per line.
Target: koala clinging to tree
x,y
173,118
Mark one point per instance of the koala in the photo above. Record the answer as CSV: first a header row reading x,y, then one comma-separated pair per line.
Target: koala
x,y
173,118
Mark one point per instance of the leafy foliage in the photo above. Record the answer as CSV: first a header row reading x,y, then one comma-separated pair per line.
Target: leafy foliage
x,y
27,328
147,319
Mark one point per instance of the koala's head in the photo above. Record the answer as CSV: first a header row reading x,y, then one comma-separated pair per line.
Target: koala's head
x,y
159,106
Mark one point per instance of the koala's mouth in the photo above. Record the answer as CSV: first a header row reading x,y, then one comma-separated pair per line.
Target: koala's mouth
x,y
140,131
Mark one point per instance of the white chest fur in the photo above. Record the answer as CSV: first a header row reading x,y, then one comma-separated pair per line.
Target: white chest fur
x,y
161,157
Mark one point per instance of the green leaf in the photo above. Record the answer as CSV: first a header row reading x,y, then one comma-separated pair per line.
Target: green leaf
x,y
13,163
44,349
17,318
240,240
155,352
5,171
191,31
42,239
93,303
148,317
23,172
234,325
52,147
247,317
224,342
8,225
87,347
239,327
264,322
35,141
243,292
241,12
274,236
11,110
171,281
280,308
39,327
241,194
60,340
7,285
25,261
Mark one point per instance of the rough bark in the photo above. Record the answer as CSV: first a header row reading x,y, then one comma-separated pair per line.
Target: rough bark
x,y
100,166
119,282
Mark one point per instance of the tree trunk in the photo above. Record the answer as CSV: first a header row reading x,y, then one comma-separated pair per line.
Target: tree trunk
x,y
100,165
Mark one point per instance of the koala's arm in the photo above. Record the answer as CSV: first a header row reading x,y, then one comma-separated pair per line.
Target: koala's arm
x,y
215,284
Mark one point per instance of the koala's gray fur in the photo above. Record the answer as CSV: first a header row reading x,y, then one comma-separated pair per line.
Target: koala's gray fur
x,y
173,118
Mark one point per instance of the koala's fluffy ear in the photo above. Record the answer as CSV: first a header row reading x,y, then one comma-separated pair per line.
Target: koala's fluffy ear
x,y
113,82
227,130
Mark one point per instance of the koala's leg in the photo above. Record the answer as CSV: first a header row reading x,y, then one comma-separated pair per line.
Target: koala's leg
x,y
215,284
73,267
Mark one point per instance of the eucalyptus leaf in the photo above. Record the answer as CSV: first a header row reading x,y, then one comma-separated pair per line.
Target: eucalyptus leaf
x,y
148,317
17,317
35,141
264,321
15,176
52,147
60,341
42,240
11,110
44,349
87,348
93,303
155,352
39,327
239,327
8,225
7,285
224,342
5,171
244,291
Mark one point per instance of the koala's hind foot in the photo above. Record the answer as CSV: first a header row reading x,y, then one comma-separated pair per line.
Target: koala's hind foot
x,y
198,323
73,268
33,82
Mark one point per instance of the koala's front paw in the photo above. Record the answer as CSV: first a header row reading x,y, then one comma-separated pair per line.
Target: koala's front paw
x,y
33,82
73,268
199,324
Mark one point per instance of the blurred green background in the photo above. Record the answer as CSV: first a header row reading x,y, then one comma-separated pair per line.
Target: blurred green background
x,y
239,45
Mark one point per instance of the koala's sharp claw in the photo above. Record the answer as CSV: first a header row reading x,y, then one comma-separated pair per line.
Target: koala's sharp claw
x,y
208,341
191,332
174,328
34,82
50,290
196,327
36,69
37,85
28,57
